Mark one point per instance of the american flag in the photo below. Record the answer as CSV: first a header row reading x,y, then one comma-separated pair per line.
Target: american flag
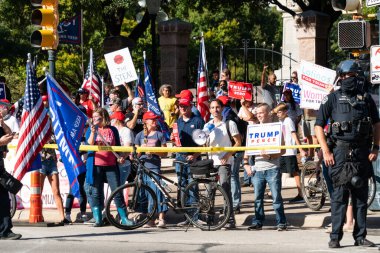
x,y
35,126
92,80
202,94
140,89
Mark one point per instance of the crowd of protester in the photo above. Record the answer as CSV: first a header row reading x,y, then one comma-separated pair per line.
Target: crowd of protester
x,y
125,121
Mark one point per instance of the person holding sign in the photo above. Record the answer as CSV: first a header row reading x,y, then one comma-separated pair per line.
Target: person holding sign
x,y
266,170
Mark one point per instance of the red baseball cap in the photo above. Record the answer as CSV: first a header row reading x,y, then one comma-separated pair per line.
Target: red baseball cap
x,y
4,100
185,94
45,98
150,115
118,115
224,99
184,101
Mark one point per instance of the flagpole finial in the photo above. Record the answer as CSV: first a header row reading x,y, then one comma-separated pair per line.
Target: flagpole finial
x,y
144,55
29,57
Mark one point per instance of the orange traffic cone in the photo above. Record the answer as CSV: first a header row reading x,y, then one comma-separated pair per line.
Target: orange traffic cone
x,y
35,214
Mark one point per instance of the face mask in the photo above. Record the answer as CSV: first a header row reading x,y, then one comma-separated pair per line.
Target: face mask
x,y
348,85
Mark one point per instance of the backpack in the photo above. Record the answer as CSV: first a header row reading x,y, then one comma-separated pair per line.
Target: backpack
x,y
241,126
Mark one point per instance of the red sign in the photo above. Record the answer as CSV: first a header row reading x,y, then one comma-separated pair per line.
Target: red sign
x,y
239,90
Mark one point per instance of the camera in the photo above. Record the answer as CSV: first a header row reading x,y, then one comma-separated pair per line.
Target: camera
x,y
357,181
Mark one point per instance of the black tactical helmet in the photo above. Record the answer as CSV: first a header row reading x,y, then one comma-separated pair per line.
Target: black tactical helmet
x,y
347,66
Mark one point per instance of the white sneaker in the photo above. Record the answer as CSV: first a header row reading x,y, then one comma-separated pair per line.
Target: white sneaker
x,y
161,224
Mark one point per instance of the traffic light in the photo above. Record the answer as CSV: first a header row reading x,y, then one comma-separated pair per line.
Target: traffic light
x,y
46,18
349,6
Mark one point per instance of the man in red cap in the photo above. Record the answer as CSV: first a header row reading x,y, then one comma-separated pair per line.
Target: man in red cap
x,y
86,102
186,124
228,114
187,94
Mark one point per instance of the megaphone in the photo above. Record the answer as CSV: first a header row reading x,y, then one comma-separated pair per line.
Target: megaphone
x,y
200,136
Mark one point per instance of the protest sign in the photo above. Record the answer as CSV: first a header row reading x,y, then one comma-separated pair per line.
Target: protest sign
x,y
296,91
264,135
121,66
315,83
239,90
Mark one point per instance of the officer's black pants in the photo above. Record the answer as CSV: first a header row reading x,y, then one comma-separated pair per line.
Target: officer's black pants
x,y
5,216
340,197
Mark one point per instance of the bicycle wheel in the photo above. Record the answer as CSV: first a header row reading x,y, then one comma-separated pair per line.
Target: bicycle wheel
x,y
206,205
141,202
13,203
313,187
371,190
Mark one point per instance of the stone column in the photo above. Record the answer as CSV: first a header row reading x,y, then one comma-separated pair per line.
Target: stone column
x,y
312,32
174,41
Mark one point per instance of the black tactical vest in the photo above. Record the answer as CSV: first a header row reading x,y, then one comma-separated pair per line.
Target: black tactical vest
x,y
351,118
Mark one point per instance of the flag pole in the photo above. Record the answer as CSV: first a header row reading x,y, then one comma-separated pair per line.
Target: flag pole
x,y
91,71
220,61
102,80
81,39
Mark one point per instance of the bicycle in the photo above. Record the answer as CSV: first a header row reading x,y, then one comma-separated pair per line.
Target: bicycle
x,y
314,187
13,203
203,201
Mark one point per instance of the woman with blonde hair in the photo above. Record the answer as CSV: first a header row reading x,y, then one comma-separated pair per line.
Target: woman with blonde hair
x,y
102,166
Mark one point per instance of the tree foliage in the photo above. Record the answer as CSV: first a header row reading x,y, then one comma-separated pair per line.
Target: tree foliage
x,y
221,21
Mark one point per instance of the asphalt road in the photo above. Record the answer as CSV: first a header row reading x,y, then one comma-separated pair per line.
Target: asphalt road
x,y
84,238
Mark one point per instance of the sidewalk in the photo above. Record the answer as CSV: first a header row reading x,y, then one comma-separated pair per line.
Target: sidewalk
x,y
297,214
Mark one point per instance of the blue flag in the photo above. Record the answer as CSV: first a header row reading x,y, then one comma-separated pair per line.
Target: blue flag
x,y
296,91
69,31
152,101
68,123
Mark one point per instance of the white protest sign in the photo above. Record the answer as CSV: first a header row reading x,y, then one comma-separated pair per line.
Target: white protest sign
x,y
121,66
315,83
264,135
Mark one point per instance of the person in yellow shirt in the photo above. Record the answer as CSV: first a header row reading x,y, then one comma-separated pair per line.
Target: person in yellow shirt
x,y
168,104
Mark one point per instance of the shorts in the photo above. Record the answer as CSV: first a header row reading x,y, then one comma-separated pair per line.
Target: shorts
x,y
289,164
308,127
49,167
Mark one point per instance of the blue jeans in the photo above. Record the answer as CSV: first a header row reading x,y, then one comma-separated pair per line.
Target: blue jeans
x,y
82,199
185,178
95,192
273,178
161,201
125,170
235,180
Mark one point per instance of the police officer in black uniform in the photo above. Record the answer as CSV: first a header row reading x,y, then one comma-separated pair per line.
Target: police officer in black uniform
x,y
5,216
352,144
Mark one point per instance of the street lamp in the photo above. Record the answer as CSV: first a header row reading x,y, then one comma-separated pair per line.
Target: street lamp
x,y
153,8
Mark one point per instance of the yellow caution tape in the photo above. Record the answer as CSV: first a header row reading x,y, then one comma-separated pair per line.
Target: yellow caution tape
x,y
175,149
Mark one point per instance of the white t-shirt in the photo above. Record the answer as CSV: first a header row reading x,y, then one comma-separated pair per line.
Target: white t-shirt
x,y
126,136
219,138
242,114
13,124
287,128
